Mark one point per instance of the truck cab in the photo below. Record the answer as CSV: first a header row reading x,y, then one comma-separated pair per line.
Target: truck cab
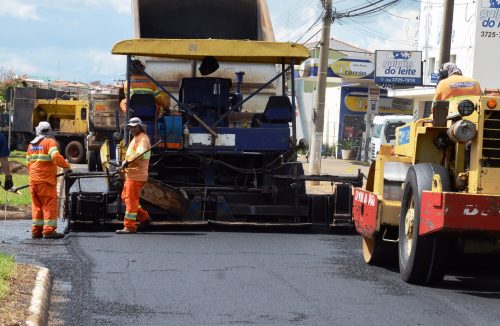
x,y
384,131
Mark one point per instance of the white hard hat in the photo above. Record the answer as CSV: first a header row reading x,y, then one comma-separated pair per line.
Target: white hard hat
x,y
135,121
44,129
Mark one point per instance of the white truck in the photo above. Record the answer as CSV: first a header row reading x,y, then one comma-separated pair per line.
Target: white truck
x,y
384,131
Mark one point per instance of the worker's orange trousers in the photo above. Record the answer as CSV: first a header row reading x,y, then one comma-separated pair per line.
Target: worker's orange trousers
x,y
43,208
133,211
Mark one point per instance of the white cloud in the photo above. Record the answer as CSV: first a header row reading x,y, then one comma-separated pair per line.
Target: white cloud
x,y
65,64
376,32
404,37
121,6
20,10
17,64
104,63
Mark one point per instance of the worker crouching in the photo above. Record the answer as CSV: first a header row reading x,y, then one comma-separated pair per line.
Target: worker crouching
x,y
42,159
135,165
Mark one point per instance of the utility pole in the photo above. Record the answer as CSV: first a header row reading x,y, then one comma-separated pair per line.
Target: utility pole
x,y
446,29
319,101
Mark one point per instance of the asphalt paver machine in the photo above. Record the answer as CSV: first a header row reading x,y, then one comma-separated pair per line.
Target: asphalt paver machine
x,y
213,161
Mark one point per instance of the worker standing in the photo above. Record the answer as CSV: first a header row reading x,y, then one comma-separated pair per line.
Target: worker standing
x,y
4,159
141,85
135,165
42,159
452,83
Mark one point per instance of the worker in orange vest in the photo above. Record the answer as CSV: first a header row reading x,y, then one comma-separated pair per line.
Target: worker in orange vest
x,y
140,84
135,165
452,83
42,159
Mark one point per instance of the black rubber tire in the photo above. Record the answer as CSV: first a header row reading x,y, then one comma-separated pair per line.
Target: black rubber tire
x,y
421,259
92,161
74,152
99,163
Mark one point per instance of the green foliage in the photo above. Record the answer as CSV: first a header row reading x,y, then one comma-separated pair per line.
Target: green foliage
x,y
330,150
6,268
348,143
8,78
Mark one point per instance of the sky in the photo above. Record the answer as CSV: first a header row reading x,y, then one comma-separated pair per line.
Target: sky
x,y
72,39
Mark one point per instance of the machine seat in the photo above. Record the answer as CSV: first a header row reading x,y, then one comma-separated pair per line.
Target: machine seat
x,y
278,110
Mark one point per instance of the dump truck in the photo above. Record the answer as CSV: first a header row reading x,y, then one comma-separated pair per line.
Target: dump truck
x,y
212,162
67,115
436,193
200,19
81,123
104,120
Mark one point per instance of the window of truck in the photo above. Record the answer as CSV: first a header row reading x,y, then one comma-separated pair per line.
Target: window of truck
x,y
377,130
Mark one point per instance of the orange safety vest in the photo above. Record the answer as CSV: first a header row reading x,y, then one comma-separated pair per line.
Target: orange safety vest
x,y
42,159
142,85
138,170
456,85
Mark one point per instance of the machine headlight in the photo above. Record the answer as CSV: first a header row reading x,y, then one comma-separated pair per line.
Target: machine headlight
x,y
466,107
492,103
462,131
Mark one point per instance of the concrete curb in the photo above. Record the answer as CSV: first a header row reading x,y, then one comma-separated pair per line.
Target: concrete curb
x,y
40,300
16,215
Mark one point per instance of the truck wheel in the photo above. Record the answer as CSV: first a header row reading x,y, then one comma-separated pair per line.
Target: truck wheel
x,y
74,152
421,259
92,161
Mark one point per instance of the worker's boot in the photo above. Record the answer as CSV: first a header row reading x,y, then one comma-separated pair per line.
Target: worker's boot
x,y
53,235
36,235
125,231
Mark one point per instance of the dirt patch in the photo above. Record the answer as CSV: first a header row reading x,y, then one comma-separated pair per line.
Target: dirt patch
x,y
14,307
18,168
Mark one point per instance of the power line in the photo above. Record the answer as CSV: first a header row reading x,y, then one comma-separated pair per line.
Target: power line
x,y
313,24
319,30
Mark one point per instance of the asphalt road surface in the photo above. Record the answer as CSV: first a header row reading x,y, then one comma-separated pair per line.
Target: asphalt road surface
x,y
215,277
206,277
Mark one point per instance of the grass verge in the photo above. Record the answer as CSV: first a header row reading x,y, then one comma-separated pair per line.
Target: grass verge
x,y
18,156
6,268
21,200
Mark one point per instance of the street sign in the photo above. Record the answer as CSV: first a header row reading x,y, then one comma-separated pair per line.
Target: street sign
x,y
434,78
373,98
373,93
398,67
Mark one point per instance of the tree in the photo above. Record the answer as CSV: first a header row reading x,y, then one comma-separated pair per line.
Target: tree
x,y
8,78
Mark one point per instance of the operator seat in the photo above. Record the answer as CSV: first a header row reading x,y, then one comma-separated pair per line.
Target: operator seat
x,y
278,111
143,106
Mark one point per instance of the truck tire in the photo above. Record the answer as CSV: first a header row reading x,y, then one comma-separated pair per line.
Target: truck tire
x,y
92,161
422,259
74,152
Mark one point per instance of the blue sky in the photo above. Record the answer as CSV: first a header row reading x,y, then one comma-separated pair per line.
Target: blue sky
x,y
72,39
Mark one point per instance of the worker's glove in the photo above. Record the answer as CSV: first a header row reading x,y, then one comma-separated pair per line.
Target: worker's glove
x,y
8,182
123,166
68,171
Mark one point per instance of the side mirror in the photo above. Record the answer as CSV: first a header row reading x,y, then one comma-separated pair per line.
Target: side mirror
x,y
303,144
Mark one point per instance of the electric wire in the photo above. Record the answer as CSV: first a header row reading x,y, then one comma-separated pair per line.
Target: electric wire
x,y
313,25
